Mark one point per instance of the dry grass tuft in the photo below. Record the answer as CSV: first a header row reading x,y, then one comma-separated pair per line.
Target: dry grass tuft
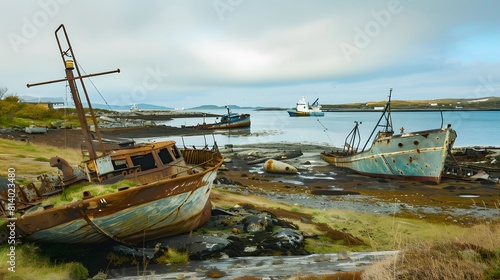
x,y
475,256
342,275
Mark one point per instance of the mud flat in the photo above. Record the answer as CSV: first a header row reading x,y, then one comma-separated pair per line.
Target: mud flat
x,y
317,183
322,186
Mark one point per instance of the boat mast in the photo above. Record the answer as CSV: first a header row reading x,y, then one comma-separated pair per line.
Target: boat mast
x,y
388,121
70,63
388,118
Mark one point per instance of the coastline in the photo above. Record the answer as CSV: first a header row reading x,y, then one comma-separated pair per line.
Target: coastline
x,y
349,110
319,188
315,177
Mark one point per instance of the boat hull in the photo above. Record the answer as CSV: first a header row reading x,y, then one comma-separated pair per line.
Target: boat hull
x,y
127,217
295,113
418,156
241,123
149,211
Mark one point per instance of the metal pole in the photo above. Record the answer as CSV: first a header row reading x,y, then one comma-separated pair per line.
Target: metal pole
x,y
81,115
65,79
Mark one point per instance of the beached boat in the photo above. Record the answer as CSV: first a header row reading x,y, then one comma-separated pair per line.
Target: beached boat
x,y
158,189
35,129
418,156
227,121
303,109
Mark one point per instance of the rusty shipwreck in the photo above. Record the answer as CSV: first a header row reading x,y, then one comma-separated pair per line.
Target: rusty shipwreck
x,y
169,193
417,156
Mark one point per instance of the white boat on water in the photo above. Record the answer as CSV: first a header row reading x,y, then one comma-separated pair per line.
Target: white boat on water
x,y
304,109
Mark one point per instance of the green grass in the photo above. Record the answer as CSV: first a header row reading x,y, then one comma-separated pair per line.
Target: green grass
x,y
172,256
19,155
31,265
75,193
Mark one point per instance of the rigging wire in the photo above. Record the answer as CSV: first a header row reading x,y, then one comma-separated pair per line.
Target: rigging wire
x,y
324,130
83,70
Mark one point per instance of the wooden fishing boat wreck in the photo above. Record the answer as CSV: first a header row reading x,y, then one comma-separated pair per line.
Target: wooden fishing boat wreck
x,y
418,156
167,192
304,109
227,121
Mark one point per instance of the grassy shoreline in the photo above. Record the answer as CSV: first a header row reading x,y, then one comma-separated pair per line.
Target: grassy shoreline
x,y
478,243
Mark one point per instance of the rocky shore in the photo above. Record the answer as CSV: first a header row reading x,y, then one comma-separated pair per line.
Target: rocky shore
x,y
248,228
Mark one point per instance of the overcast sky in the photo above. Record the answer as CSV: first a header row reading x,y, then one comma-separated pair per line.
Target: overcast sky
x,y
256,53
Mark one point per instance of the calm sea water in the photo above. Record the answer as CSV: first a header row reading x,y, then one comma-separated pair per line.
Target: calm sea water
x,y
478,128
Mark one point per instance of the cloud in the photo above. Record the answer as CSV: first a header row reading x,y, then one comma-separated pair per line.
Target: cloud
x,y
260,51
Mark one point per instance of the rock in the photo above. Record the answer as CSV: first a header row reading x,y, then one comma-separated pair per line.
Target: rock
x,y
343,255
149,253
199,246
223,168
256,223
288,235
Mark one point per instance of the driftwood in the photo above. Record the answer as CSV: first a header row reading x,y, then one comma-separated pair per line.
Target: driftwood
x,y
284,155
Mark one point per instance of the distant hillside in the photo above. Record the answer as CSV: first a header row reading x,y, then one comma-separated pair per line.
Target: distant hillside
x,y
141,106
485,103
212,107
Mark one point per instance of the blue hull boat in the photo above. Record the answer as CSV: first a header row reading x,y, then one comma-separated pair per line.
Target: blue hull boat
x,y
227,121
303,109
418,156
294,113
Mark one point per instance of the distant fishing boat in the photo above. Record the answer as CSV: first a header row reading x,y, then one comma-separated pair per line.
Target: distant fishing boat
x,y
418,156
303,109
160,190
134,108
227,121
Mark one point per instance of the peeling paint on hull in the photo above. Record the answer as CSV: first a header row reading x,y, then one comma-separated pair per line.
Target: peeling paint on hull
x,y
418,156
164,208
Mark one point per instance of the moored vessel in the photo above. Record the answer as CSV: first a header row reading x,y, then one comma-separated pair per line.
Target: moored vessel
x,y
304,109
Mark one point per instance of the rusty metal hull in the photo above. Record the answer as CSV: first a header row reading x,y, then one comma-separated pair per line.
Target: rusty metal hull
x,y
418,156
172,195
161,209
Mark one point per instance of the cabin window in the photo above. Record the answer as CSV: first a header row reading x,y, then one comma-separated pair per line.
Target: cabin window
x,y
146,161
119,164
177,153
165,156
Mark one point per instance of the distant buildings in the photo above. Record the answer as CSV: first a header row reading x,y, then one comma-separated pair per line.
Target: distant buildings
x,y
47,102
